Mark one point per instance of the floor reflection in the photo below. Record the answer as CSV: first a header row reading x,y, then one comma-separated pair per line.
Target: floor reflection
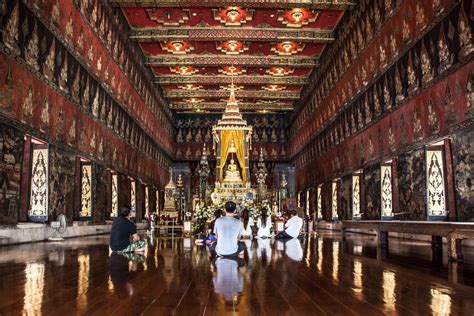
x,y
293,249
320,275
83,281
357,274
34,286
228,281
388,284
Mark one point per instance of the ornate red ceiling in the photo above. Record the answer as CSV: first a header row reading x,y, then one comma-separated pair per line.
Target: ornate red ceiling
x,y
196,49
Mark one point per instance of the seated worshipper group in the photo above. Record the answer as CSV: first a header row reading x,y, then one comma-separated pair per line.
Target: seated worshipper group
x,y
123,234
228,231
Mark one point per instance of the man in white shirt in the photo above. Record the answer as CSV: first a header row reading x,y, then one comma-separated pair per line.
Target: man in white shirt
x,y
293,227
228,231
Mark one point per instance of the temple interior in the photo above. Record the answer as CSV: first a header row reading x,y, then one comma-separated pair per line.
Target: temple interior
x,y
354,115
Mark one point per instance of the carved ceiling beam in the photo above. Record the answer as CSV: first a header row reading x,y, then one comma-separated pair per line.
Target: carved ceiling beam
x,y
241,60
222,79
225,94
312,4
213,33
243,106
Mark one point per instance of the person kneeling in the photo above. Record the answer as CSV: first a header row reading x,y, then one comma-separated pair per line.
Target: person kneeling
x,y
293,227
228,231
122,231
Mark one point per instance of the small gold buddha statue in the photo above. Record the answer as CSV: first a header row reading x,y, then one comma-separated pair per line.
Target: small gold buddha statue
x,y
232,174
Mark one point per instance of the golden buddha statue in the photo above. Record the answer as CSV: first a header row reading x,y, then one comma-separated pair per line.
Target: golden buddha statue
x,y
232,174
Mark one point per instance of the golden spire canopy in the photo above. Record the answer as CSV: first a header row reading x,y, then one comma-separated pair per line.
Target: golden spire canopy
x,y
232,118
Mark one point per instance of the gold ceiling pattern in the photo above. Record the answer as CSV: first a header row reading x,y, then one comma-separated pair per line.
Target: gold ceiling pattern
x,y
268,48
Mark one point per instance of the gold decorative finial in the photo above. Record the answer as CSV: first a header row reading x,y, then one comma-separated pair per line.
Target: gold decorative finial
x,y
232,99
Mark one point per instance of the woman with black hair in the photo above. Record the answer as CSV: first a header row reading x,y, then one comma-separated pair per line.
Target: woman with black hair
x,y
247,220
264,224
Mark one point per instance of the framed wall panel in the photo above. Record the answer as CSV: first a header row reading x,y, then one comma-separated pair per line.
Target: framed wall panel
x,y
386,193
39,183
86,190
435,183
334,201
319,213
114,196
356,215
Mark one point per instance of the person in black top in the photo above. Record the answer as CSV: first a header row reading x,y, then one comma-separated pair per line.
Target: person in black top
x,y
123,235
211,237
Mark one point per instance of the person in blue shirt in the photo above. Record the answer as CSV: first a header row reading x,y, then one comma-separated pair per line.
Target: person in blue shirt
x,y
123,235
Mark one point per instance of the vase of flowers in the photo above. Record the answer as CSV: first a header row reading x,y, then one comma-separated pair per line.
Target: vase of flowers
x,y
201,216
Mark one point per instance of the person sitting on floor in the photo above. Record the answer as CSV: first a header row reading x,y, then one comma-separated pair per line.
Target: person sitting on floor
x,y
293,227
211,237
228,231
123,235
264,224
247,220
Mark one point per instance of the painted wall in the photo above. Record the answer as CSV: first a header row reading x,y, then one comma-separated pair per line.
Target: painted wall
x,y
388,94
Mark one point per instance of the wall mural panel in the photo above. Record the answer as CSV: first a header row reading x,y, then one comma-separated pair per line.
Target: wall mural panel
x,y
344,200
359,58
326,194
463,165
100,189
270,135
62,101
412,185
395,133
121,71
383,97
11,155
61,183
371,206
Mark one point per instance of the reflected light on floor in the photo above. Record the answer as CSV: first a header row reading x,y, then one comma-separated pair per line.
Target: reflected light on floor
x,y
83,281
440,301
335,261
34,286
156,257
110,285
358,250
389,283
308,253
320,255
357,279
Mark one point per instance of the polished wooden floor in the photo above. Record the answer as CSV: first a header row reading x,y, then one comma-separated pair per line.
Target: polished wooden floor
x,y
317,276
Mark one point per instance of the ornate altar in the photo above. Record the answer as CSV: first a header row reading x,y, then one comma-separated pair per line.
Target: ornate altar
x,y
232,143
170,210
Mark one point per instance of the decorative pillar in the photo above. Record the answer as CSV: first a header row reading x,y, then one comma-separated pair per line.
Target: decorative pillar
x,y
25,178
261,177
203,175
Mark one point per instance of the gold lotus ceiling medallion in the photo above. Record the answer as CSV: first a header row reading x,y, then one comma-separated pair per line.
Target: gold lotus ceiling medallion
x,y
233,16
